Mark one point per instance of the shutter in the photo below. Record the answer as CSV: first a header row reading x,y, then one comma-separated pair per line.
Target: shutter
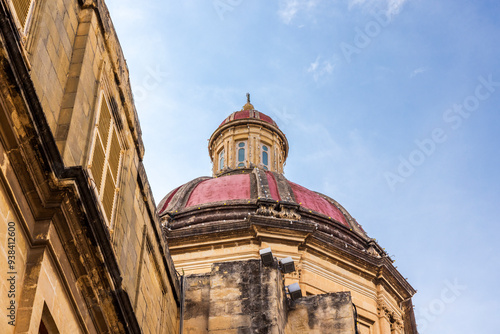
x,y
104,121
105,165
22,8
108,195
111,183
97,166
114,154
101,141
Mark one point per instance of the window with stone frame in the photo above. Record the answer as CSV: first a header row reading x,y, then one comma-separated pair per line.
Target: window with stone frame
x,y
23,10
265,156
241,154
105,159
221,159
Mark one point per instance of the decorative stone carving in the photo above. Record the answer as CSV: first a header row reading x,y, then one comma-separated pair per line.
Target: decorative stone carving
x,y
267,210
288,213
371,251
395,321
397,325
383,310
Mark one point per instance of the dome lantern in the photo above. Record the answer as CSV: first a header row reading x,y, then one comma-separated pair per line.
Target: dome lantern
x,y
248,139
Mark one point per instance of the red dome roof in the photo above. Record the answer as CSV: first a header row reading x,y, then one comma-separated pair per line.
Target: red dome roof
x,y
249,187
220,189
314,201
248,114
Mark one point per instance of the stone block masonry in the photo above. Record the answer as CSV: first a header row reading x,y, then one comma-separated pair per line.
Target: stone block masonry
x,y
78,268
246,297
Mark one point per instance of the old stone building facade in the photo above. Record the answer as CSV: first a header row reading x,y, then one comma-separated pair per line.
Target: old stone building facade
x,y
84,249
77,215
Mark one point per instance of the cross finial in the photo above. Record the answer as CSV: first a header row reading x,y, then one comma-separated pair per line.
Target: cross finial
x,y
248,106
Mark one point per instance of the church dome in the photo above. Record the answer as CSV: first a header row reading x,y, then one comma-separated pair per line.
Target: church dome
x,y
248,205
248,151
239,194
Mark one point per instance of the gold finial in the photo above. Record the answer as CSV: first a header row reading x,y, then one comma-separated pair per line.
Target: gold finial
x,y
248,105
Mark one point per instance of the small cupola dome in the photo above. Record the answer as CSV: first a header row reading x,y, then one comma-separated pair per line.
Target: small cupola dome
x,y
248,139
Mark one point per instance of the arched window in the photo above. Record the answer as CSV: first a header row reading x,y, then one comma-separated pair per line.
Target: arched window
x,y
241,154
265,157
221,159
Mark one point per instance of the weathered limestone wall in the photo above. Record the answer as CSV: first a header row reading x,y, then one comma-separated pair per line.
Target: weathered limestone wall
x,y
328,313
244,296
234,297
84,35
32,280
64,30
74,53
78,271
50,42
196,303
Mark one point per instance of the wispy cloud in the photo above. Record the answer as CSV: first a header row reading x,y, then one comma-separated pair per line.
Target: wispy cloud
x,y
418,71
394,6
282,114
320,68
290,8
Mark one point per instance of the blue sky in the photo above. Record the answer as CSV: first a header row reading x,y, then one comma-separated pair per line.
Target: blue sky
x,y
392,107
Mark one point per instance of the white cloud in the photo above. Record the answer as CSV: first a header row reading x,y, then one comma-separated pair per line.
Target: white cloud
x,y
320,68
394,7
418,71
290,8
313,66
282,116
